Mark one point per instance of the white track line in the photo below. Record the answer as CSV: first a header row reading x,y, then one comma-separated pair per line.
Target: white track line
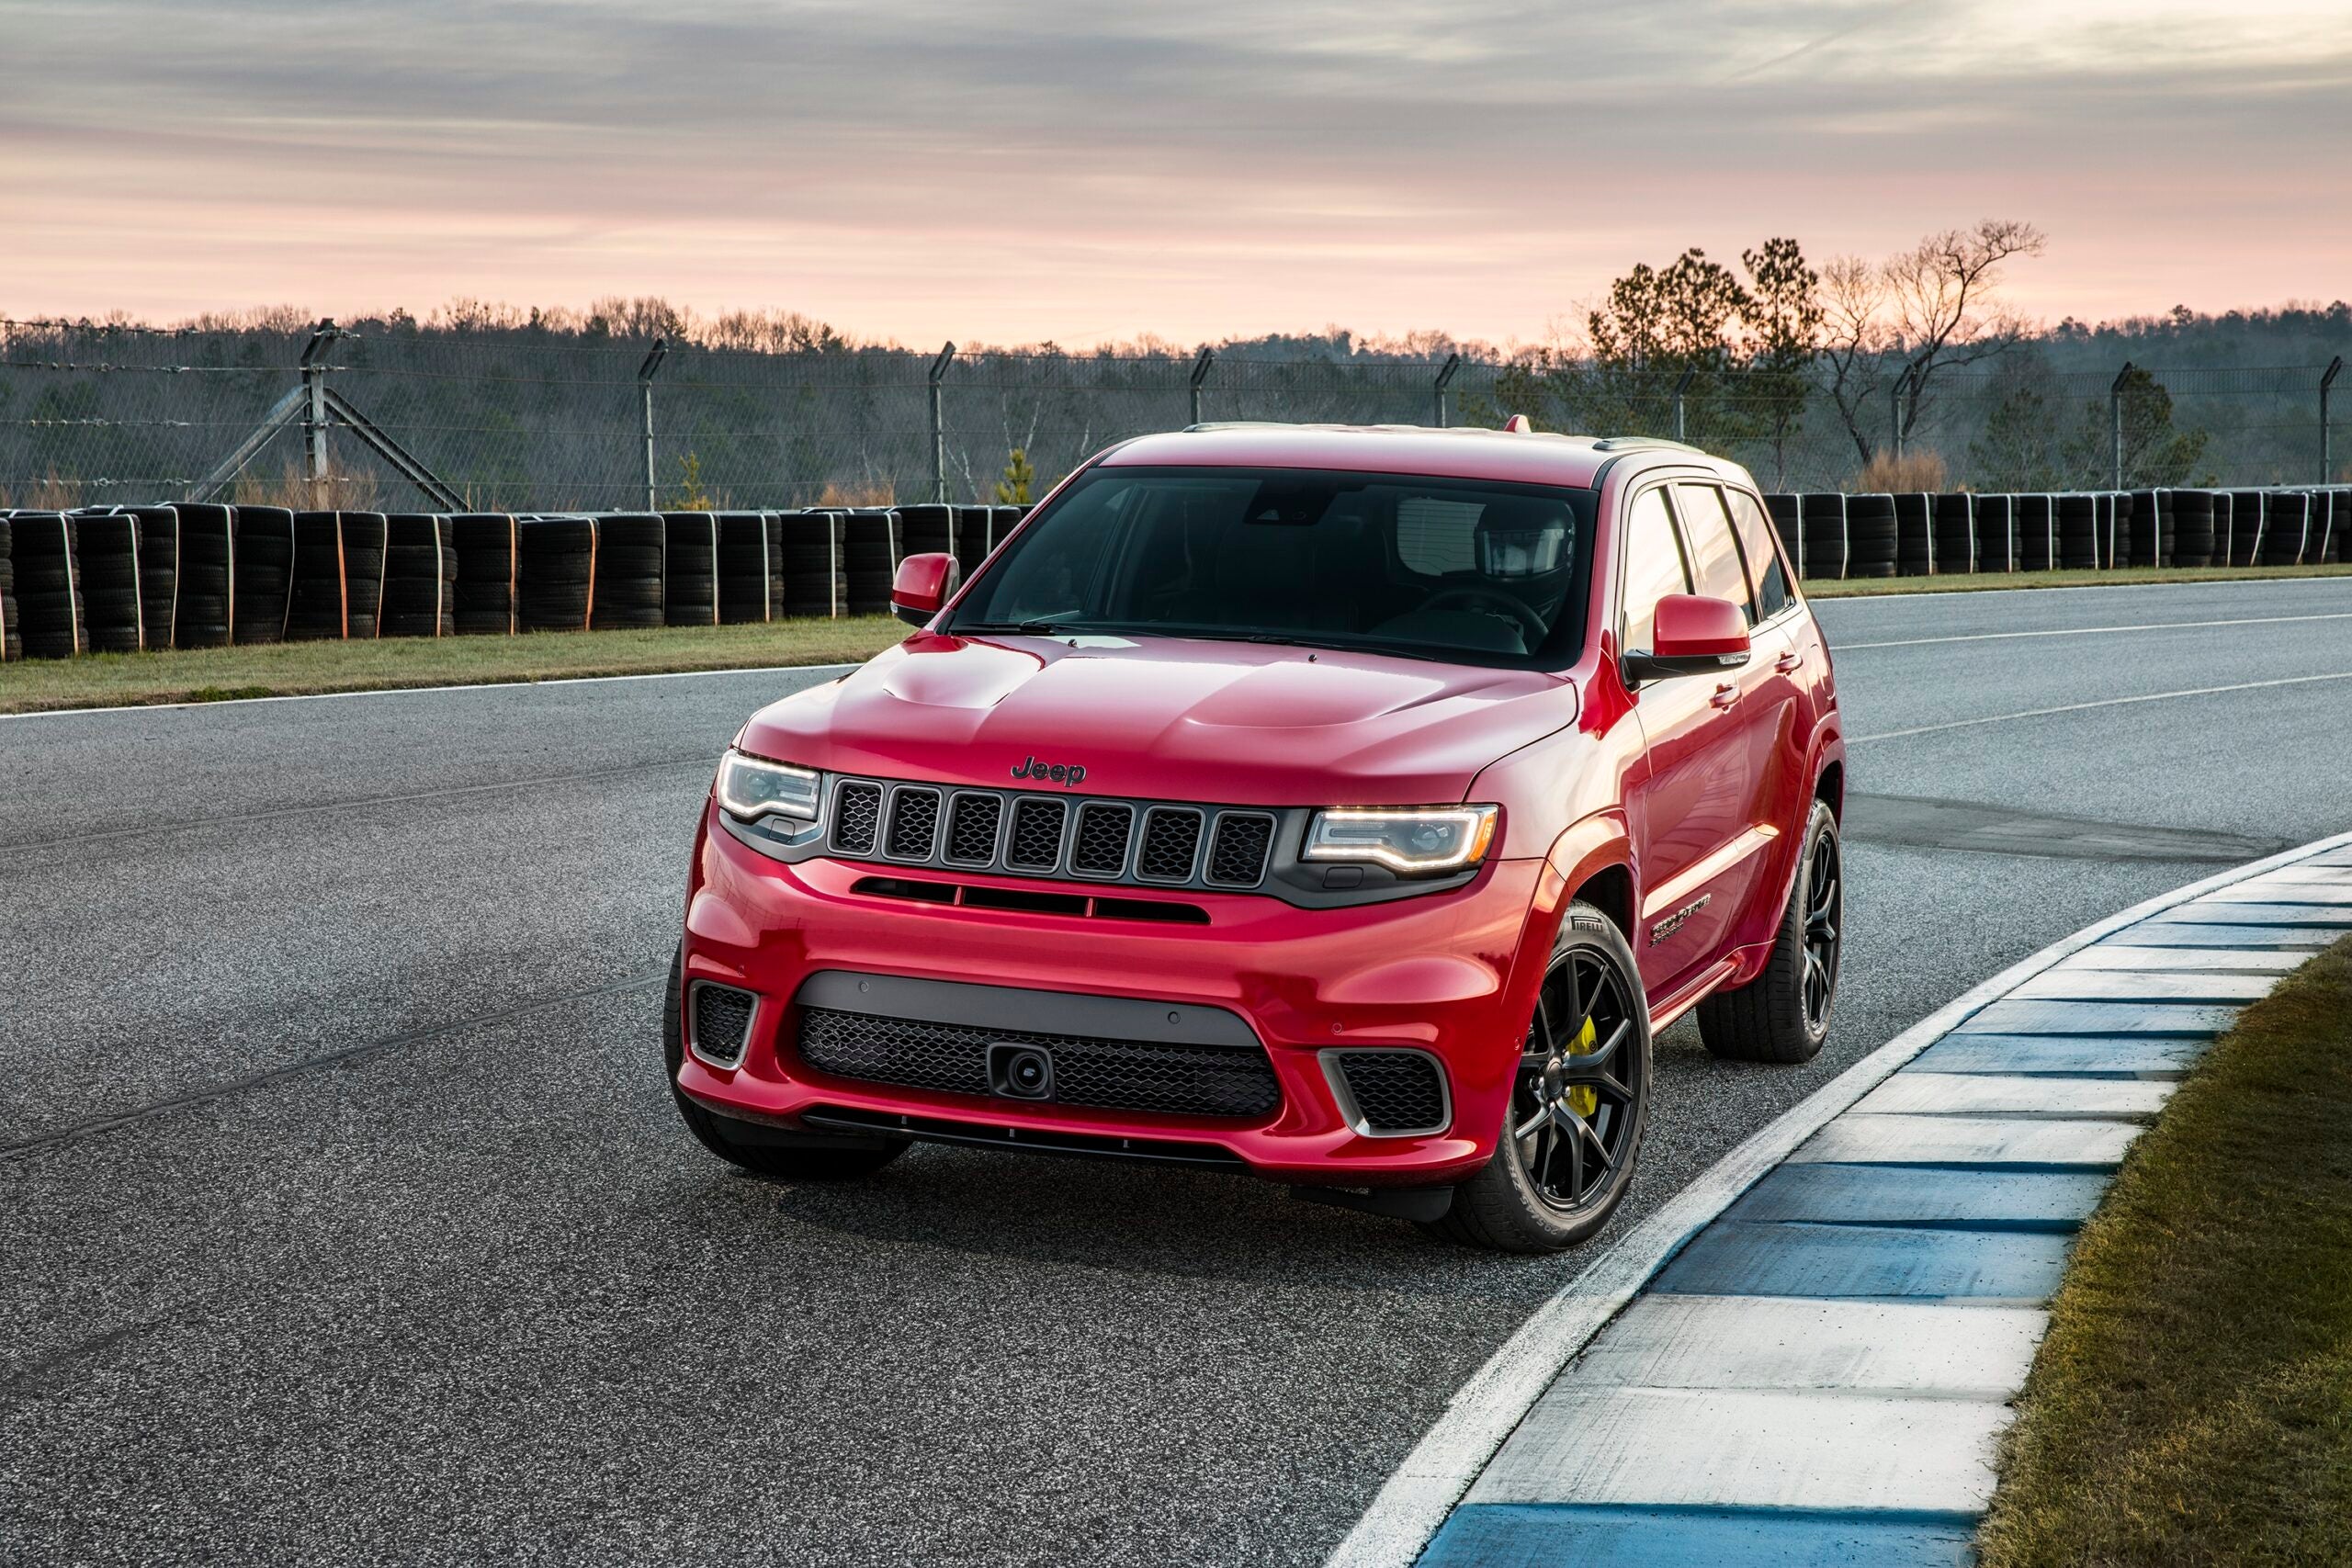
x,y
1424,1489
431,691
1845,648
2332,578
2103,703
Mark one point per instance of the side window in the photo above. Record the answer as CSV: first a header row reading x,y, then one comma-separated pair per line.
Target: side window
x,y
1714,553
1770,572
1654,566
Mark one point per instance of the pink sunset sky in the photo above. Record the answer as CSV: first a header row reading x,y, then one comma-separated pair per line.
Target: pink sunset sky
x,y
1080,173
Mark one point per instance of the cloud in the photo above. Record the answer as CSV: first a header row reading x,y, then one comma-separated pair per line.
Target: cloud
x,y
984,168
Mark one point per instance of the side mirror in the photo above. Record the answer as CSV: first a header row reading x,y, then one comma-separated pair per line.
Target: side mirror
x,y
1693,636
924,584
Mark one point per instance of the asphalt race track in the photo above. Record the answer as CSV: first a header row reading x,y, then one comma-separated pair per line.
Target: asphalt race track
x,y
344,1215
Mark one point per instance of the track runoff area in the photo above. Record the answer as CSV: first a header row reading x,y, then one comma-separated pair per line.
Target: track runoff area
x,y
342,1211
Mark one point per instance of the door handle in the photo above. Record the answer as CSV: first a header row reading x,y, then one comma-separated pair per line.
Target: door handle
x,y
1725,694
1790,663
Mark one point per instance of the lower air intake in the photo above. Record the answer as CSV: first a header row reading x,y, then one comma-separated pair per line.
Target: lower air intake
x,y
1396,1093
1111,1074
721,1019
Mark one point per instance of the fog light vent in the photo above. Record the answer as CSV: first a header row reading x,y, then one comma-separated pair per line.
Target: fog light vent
x,y
722,1018
1389,1094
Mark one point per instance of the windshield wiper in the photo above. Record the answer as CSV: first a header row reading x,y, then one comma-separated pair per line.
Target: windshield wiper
x,y
1037,625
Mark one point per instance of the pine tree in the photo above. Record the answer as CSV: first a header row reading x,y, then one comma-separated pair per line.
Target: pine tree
x,y
1012,490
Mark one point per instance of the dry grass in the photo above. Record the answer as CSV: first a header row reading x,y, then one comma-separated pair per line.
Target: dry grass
x,y
1979,582
339,491
2193,1402
54,493
867,492
1886,473
215,674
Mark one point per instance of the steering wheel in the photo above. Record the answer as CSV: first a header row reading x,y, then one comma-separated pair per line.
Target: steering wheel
x,y
1494,602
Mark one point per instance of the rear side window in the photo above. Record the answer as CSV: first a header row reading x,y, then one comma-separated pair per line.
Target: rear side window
x,y
1714,552
1765,567
1654,566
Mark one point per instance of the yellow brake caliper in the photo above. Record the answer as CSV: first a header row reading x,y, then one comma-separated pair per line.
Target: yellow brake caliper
x,y
1583,1099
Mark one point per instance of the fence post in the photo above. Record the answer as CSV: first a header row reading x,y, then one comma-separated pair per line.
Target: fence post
x,y
314,399
2115,418
1200,374
645,406
939,427
1444,378
1894,411
1681,427
2327,380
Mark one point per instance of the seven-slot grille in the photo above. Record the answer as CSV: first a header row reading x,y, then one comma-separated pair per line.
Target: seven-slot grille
x,y
1040,835
1112,1075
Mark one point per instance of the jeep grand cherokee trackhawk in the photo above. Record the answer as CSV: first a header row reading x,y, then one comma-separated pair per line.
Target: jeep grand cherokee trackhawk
x,y
1342,806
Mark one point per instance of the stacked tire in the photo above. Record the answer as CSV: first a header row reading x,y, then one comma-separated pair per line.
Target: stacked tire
x,y
47,553
318,604
107,572
869,558
2188,519
2149,530
626,589
2286,530
1824,555
689,568
814,584
208,588
1955,531
419,577
975,536
2037,533
265,540
159,574
363,537
1870,536
1915,532
555,566
747,577
486,565
2332,512
12,638
2246,509
2077,523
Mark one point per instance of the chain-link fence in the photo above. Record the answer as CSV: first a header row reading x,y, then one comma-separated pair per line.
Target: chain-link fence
x,y
519,421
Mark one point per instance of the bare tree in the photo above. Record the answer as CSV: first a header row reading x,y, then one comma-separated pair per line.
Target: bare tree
x,y
1943,293
1853,343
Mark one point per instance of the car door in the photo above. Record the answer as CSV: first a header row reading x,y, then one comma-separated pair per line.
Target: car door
x,y
1694,799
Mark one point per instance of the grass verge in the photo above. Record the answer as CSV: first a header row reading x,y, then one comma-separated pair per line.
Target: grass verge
x,y
218,674
2193,1402
1978,582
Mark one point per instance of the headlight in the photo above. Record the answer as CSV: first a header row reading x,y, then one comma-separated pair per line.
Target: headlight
x,y
1404,839
751,788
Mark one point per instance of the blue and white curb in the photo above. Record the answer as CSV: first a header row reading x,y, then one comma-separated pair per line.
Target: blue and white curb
x,y
1808,1355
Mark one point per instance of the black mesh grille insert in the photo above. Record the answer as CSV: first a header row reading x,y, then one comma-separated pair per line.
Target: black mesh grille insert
x,y
1172,839
1036,835
1112,1075
1238,852
1395,1092
857,811
1100,848
914,823
722,1020
971,828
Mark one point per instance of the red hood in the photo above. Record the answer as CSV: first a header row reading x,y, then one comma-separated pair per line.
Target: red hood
x,y
1237,723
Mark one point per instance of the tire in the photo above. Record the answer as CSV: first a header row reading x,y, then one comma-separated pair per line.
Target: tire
x,y
777,1155
1512,1204
1777,1017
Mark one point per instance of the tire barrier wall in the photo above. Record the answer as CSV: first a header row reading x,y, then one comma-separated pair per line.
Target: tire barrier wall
x,y
1830,535
419,577
197,575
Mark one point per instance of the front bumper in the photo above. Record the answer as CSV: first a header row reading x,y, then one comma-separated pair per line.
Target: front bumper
x,y
1450,974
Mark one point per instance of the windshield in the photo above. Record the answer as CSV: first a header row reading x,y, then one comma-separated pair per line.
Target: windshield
x,y
1469,570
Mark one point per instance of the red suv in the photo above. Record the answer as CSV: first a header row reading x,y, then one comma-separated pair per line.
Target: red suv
x,y
1347,806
